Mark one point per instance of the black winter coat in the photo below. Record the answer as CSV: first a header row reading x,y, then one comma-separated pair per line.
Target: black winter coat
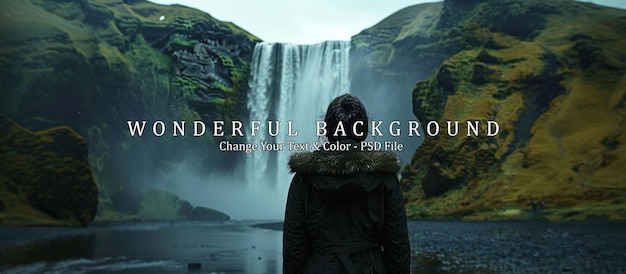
x,y
345,214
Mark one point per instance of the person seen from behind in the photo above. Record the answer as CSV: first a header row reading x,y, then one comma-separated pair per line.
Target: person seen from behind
x,y
345,212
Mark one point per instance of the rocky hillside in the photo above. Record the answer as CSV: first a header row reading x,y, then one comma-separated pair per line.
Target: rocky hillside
x,y
551,73
93,65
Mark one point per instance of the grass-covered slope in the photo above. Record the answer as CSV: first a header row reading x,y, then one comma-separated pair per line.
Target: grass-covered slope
x,y
551,73
93,65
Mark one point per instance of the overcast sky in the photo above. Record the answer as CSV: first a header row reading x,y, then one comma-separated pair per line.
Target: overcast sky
x,y
308,21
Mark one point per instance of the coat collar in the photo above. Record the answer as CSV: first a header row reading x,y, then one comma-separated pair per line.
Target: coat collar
x,y
344,163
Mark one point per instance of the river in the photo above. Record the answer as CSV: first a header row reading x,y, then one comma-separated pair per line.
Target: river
x,y
438,246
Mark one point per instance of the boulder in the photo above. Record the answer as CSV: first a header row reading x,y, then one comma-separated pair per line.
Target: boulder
x,y
201,213
161,205
45,177
157,204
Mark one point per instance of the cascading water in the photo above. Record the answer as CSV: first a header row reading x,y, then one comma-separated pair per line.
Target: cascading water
x,y
291,83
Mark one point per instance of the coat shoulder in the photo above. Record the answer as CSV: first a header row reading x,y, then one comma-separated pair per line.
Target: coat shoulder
x,y
344,163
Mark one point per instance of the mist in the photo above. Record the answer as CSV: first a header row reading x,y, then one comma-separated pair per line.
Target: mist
x,y
287,83
227,192
389,102
196,171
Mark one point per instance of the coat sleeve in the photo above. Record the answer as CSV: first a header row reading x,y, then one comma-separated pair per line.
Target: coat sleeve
x,y
395,240
296,244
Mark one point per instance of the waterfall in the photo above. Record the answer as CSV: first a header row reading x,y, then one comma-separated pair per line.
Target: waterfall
x,y
291,83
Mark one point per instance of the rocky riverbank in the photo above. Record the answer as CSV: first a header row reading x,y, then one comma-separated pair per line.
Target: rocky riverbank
x,y
451,246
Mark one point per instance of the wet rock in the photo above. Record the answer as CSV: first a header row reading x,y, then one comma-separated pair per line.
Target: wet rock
x,y
185,208
215,256
157,204
208,214
194,266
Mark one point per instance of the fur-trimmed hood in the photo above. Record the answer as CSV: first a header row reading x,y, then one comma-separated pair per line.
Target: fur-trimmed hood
x,y
344,163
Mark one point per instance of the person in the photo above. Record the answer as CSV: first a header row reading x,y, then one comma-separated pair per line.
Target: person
x,y
345,212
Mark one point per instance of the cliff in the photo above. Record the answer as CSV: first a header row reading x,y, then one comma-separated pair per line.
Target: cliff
x,y
551,73
93,65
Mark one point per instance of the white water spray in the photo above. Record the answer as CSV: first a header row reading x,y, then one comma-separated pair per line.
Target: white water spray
x,y
290,83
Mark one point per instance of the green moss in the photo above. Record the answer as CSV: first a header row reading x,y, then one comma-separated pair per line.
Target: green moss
x,y
226,61
218,101
187,85
223,87
91,65
180,41
524,76
63,188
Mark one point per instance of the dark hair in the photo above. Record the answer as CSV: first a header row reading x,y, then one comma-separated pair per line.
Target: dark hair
x,y
346,109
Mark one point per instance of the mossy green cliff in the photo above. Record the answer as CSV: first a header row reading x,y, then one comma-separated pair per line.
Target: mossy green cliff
x,y
93,65
551,73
